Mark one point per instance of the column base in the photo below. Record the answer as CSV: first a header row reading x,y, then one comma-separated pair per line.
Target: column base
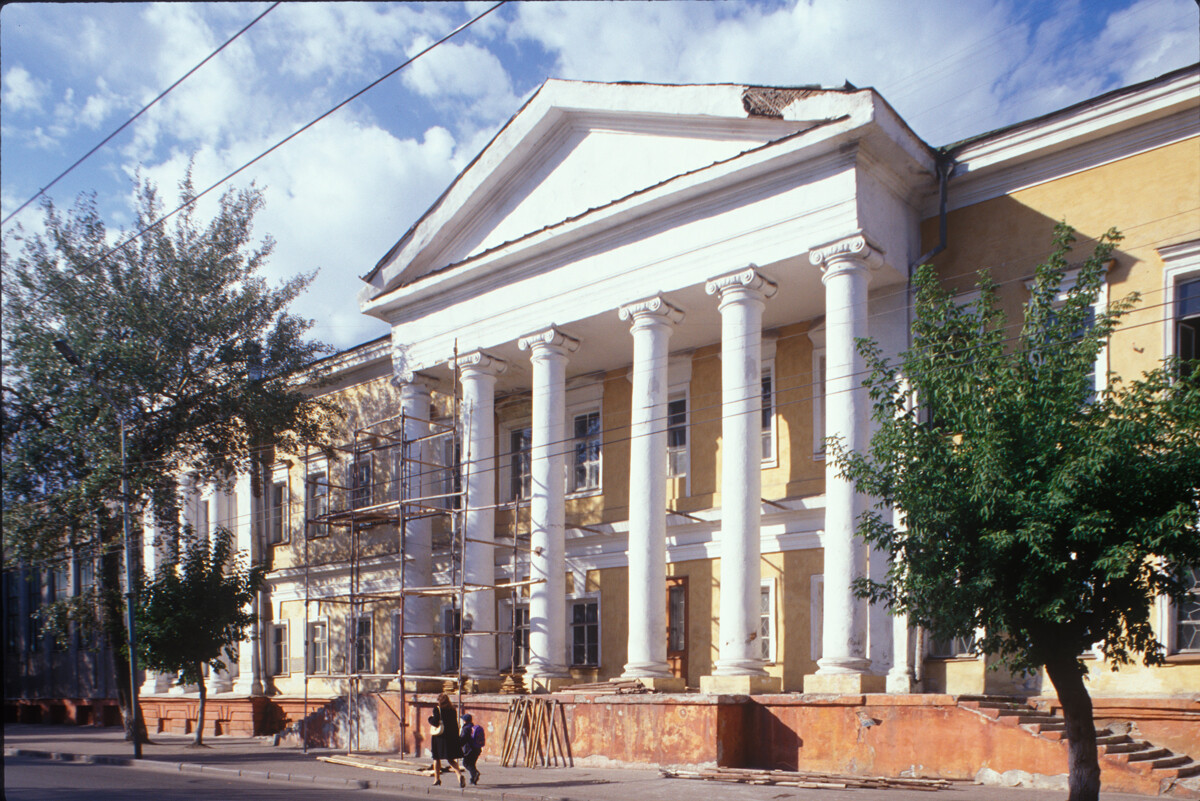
x,y
247,688
844,683
547,684
901,683
740,685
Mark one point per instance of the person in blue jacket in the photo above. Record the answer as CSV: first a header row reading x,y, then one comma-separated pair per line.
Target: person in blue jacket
x,y
472,739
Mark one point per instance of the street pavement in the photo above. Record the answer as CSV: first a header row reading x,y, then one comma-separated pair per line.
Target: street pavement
x,y
171,759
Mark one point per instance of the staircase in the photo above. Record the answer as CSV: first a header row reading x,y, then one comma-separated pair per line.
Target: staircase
x,y
1115,749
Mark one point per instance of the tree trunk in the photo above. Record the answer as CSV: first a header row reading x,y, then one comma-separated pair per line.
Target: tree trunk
x,y
200,711
112,621
1082,762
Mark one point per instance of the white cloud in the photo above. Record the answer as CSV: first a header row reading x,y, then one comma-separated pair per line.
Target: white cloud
x,y
22,92
465,75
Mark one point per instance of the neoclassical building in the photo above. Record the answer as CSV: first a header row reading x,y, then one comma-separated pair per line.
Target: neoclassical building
x,y
619,341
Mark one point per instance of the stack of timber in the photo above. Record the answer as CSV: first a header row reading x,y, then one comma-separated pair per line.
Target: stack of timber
x,y
384,764
614,687
806,779
535,734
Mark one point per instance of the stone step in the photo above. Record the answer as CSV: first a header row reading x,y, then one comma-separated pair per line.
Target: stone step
x,y
1184,771
1047,727
1127,747
1145,755
1111,739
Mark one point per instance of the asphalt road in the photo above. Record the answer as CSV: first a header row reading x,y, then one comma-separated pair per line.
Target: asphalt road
x,y
43,780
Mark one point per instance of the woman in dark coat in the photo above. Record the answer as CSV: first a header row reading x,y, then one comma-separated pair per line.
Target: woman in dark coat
x,y
446,745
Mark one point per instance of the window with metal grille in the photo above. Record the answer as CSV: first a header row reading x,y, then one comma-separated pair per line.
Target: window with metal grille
x,y
677,435
520,441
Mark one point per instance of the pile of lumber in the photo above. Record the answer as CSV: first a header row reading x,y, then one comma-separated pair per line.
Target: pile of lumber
x,y
615,687
535,734
380,763
806,779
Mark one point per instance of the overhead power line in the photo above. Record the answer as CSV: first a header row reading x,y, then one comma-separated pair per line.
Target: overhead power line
x,y
143,110
191,201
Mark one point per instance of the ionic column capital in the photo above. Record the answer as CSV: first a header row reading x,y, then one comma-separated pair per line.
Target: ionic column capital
x,y
654,310
846,254
744,284
412,384
480,363
548,341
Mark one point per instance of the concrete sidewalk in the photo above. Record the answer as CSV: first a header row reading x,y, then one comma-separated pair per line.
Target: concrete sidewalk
x,y
256,759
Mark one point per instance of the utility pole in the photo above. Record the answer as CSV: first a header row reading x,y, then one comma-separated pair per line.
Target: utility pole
x,y
65,351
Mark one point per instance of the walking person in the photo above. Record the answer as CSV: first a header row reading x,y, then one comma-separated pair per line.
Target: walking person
x,y
473,739
444,741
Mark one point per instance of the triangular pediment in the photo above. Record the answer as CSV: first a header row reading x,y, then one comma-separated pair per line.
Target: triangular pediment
x,y
576,147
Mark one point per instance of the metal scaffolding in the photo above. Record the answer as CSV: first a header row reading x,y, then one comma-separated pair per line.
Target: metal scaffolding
x,y
355,508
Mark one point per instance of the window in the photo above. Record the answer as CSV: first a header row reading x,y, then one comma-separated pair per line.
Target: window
x,y
520,636
316,503
677,455
1187,325
1187,617
318,647
520,441
360,482
766,619
363,649
87,576
953,647
585,473
277,513
450,474
768,414
279,649
202,511
585,633
452,626
60,583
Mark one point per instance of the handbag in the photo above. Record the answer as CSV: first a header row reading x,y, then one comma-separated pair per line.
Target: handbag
x,y
434,731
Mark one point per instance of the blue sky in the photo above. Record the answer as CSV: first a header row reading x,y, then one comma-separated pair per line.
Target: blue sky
x,y
342,193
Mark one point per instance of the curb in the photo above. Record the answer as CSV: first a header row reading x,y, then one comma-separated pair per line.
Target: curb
x,y
265,775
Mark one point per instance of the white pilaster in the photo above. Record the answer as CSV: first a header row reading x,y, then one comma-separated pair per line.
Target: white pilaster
x,y
548,351
846,266
154,554
249,676
652,322
478,373
419,611
742,296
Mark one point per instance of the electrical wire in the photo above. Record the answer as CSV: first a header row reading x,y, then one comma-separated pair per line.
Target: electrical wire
x,y
142,111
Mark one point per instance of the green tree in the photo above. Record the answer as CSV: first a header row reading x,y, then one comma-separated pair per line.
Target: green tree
x,y
187,338
194,611
1035,510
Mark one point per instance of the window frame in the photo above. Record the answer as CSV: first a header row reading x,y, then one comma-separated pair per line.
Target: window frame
x,y
311,643
771,657
279,530
685,451
517,465
356,642
280,662
362,495
572,488
314,479
585,600
770,417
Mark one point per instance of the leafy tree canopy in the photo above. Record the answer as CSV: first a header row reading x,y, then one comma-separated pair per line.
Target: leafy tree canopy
x,y
182,331
1043,513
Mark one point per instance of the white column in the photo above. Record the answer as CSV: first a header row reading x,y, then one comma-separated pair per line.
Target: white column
x,y
224,515
845,265
154,555
653,320
419,611
548,351
742,296
249,678
478,373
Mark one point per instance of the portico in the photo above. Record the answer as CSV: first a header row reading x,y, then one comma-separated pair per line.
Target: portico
x,y
781,223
